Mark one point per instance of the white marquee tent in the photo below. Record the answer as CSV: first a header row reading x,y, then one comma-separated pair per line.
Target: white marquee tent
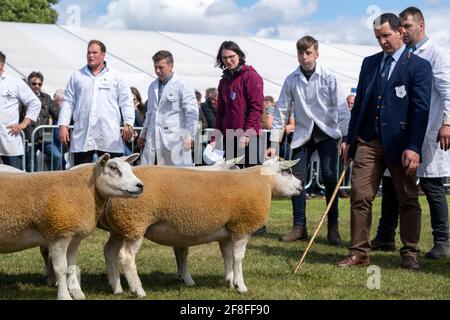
x,y
57,51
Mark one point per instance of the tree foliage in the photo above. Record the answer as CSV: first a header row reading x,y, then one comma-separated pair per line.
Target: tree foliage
x,y
34,11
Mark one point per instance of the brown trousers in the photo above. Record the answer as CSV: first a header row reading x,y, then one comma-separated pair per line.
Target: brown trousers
x,y
368,168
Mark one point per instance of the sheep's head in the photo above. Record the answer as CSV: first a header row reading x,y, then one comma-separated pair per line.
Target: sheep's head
x,y
114,177
285,184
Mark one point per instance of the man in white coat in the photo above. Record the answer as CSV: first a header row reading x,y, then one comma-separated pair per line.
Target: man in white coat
x,y
12,91
97,98
435,164
172,117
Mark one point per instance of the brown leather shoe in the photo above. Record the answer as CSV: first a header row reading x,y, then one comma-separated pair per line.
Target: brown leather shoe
x,y
410,263
298,232
352,260
333,236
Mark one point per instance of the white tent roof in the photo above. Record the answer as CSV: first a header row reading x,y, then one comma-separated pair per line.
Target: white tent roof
x,y
57,51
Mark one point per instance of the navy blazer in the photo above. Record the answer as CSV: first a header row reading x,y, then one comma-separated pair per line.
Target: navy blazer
x,y
403,119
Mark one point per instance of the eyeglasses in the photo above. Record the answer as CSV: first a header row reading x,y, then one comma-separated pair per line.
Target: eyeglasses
x,y
225,58
36,84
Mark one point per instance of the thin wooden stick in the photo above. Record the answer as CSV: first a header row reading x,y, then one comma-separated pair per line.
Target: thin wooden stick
x,y
330,203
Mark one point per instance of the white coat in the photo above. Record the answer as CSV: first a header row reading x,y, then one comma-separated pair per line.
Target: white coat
x,y
12,91
435,161
168,122
96,104
319,101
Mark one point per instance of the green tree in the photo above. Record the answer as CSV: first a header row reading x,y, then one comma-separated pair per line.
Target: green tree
x,y
35,11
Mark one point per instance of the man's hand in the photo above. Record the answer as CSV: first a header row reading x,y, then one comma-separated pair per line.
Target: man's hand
x,y
141,143
14,129
444,137
270,153
64,135
244,141
343,149
187,144
127,133
410,161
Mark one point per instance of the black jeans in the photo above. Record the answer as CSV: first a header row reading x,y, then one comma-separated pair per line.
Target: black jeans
x,y
434,191
87,157
328,154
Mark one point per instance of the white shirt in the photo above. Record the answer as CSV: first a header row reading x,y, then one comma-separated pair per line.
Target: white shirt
x,y
168,121
96,104
436,162
320,100
12,91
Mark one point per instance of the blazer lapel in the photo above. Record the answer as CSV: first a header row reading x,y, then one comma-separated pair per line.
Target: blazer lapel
x,y
373,80
399,68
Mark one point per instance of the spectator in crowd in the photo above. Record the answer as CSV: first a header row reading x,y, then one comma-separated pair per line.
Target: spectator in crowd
x,y
321,120
240,106
49,112
139,118
209,107
58,99
267,116
350,101
387,129
172,117
203,121
12,92
435,164
343,193
97,97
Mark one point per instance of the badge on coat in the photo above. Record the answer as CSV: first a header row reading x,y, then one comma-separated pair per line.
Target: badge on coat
x,y
400,91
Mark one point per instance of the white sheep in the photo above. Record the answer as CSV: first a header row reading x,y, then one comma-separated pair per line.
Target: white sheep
x,y
184,207
58,209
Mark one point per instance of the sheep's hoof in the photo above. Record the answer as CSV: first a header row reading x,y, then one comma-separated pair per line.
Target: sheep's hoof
x,y
118,290
189,282
139,293
65,296
77,294
241,289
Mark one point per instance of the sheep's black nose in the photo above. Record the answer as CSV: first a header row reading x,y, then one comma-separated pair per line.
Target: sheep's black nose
x,y
140,185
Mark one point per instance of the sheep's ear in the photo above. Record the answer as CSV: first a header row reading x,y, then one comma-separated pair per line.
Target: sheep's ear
x,y
131,158
234,160
286,164
103,159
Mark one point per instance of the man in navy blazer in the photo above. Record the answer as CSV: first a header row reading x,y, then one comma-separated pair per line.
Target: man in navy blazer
x,y
387,129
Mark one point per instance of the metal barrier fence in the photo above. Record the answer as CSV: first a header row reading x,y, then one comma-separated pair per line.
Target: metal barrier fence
x,y
49,140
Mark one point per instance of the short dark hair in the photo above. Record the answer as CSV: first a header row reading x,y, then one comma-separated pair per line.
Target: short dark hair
x,y
35,74
269,98
99,43
161,55
2,57
412,11
392,19
306,42
229,45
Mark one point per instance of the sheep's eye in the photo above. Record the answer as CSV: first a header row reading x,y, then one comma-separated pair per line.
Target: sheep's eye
x,y
115,170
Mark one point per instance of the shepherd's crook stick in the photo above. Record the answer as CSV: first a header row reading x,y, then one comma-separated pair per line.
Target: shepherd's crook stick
x,y
330,203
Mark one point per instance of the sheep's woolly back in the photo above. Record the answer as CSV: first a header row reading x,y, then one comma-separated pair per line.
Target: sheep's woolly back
x,y
194,202
53,203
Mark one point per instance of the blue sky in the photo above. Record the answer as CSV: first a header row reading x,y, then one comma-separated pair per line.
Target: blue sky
x,y
344,21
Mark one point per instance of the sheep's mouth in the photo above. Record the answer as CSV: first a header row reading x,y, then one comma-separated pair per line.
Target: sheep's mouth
x,y
134,192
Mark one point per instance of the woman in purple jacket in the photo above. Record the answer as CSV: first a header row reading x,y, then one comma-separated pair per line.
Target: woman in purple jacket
x,y
240,105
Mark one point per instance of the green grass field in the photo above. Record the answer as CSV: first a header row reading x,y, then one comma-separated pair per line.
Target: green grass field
x,y
268,267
